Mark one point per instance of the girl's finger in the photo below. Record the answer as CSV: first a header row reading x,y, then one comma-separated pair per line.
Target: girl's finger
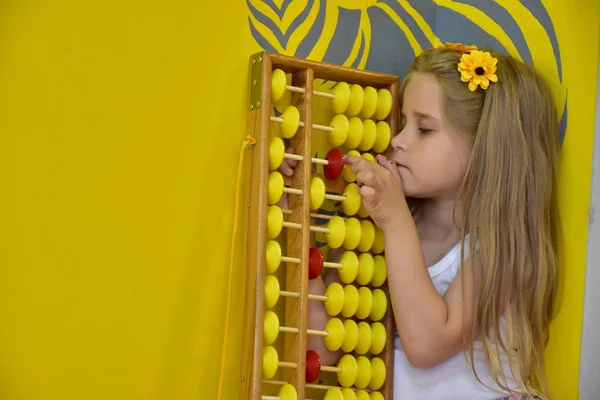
x,y
350,160
286,169
366,178
291,163
389,165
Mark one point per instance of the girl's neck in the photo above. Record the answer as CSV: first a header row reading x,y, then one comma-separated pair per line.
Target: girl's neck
x,y
439,220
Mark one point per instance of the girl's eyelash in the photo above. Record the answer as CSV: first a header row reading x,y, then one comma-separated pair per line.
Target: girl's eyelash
x,y
425,130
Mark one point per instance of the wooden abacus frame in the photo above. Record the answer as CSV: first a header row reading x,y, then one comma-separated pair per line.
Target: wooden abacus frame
x,y
260,106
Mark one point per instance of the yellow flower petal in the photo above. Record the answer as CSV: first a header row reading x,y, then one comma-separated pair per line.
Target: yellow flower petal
x,y
472,86
493,78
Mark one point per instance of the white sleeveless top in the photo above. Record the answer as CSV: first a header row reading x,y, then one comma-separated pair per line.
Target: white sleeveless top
x,y
453,378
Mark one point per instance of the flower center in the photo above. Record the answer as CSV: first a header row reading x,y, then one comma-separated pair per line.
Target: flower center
x,y
479,71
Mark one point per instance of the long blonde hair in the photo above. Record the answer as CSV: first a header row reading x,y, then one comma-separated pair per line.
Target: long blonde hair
x,y
510,211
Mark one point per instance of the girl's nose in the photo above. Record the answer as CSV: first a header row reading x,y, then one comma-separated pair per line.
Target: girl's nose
x,y
399,142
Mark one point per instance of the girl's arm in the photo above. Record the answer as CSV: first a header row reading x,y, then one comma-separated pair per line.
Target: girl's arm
x,y
431,328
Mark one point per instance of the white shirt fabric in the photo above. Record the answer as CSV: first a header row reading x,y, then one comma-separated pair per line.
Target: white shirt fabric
x,y
453,378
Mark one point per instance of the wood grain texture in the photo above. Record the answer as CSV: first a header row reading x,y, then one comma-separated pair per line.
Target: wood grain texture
x,y
295,310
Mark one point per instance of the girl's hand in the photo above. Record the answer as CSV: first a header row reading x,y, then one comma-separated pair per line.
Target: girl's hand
x,y
380,188
287,169
287,166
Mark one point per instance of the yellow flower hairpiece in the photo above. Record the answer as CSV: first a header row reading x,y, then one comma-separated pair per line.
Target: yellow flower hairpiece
x,y
461,48
478,68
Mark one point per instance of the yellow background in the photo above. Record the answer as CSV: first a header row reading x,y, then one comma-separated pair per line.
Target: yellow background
x,y
120,128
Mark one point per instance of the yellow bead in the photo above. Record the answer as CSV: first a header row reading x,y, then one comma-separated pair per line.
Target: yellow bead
x,y
380,272
378,338
351,301
288,392
342,97
352,203
349,370
357,98
274,222
349,270
347,171
369,102
270,362
276,152
335,302
369,135
271,291
337,233
384,104
362,211
273,256
348,394
384,136
379,305
291,122
378,242
353,233
350,336
378,373
270,327
366,267
278,84
364,372
365,302
364,338
355,133
335,334
275,187
317,193
376,396
367,236
352,187
368,157
334,394
362,395
341,126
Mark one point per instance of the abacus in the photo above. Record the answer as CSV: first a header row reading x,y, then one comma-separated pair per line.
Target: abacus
x,y
276,363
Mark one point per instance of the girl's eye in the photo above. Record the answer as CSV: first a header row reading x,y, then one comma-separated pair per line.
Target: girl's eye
x,y
424,130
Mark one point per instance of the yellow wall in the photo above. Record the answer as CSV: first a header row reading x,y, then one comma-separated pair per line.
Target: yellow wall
x,y
120,127
120,123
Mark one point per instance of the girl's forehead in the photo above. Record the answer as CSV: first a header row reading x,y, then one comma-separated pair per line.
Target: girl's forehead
x,y
423,94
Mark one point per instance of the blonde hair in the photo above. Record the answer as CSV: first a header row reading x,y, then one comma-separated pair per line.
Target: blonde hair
x,y
510,211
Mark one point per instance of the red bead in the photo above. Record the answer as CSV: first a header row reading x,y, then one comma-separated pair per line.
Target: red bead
x,y
336,164
315,262
313,366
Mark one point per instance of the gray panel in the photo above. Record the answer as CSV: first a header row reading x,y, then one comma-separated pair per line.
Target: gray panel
x,y
589,384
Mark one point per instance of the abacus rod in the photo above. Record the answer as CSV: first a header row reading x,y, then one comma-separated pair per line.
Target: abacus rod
x,y
291,190
335,197
294,225
317,333
296,157
290,259
314,386
315,92
301,124
286,364
332,264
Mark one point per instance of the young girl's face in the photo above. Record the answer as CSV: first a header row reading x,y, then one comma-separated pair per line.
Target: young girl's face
x,y
432,156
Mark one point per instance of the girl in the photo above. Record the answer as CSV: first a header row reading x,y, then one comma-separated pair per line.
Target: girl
x,y
467,205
